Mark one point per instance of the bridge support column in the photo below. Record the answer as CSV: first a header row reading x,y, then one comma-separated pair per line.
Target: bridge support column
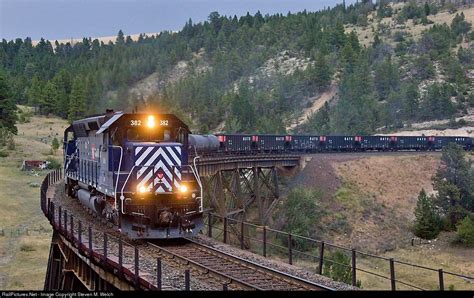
x,y
231,192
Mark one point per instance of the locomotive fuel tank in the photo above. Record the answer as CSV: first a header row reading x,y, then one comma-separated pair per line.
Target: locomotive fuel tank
x,y
203,143
93,202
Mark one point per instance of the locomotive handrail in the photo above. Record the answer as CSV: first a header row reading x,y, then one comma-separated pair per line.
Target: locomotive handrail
x,y
122,197
118,175
198,179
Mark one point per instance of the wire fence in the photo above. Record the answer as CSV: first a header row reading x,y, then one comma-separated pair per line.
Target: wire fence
x,y
322,257
353,266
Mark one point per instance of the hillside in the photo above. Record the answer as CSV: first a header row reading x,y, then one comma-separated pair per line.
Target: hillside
x,y
367,202
25,235
365,207
361,68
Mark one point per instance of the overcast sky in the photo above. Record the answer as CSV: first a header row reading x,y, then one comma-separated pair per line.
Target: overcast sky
x,y
64,19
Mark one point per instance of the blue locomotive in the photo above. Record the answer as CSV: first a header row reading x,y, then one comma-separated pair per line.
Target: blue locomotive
x,y
133,170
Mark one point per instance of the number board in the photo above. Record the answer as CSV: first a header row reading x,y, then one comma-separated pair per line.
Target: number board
x,y
143,122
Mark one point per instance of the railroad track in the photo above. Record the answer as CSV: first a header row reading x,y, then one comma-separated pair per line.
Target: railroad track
x,y
207,264
233,270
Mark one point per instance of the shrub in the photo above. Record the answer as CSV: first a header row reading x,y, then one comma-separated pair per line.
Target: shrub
x,y
27,248
300,212
3,153
53,163
465,231
337,266
55,145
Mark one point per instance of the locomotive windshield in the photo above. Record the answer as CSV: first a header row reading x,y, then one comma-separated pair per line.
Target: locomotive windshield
x,y
154,135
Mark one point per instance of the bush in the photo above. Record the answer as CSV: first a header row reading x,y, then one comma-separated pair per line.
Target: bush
x,y
300,212
3,153
55,145
465,231
53,163
337,266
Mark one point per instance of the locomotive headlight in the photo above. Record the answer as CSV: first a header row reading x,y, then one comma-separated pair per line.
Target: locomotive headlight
x,y
183,188
142,189
151,121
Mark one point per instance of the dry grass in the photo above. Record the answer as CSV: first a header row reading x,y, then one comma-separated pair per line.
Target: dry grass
x,y
378,196
366,34
24,268
437,254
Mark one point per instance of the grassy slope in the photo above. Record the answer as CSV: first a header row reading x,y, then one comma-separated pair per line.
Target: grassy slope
x,y
23,258
378,197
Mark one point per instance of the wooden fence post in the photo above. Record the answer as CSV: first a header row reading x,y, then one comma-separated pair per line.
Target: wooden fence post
x,y
105,246
209,225
441,280
242,235
137,264
187,280
225,230
264,241
354,270
392,275
290,251
158,274
321,258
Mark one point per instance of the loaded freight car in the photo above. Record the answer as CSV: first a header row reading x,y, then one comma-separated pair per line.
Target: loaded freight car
x,y
272,143
339,143
302,143
380,143
236,143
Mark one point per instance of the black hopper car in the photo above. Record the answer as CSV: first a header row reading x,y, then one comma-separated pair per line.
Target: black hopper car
x,y
234,143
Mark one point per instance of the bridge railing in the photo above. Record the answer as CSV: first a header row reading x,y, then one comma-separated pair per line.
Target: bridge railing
x,y
360,269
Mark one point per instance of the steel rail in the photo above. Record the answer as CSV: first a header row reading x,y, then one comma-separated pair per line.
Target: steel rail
x,y
215,273
256,268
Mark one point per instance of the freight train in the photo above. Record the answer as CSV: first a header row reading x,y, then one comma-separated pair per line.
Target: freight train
x,y
133,170
139,171
245,144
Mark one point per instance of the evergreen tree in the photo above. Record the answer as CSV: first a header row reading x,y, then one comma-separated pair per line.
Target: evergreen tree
x,y
459,25
120,38
49,98
454,182
7,108
427,9
427,221
77,101
35,93
320,73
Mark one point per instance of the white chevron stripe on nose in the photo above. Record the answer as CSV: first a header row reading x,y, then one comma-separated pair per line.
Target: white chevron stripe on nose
x,y
177,161
143,156
137,150
145,179
161,157
148,163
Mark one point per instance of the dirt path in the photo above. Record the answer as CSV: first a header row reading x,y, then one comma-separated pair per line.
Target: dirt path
x,y
318,102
